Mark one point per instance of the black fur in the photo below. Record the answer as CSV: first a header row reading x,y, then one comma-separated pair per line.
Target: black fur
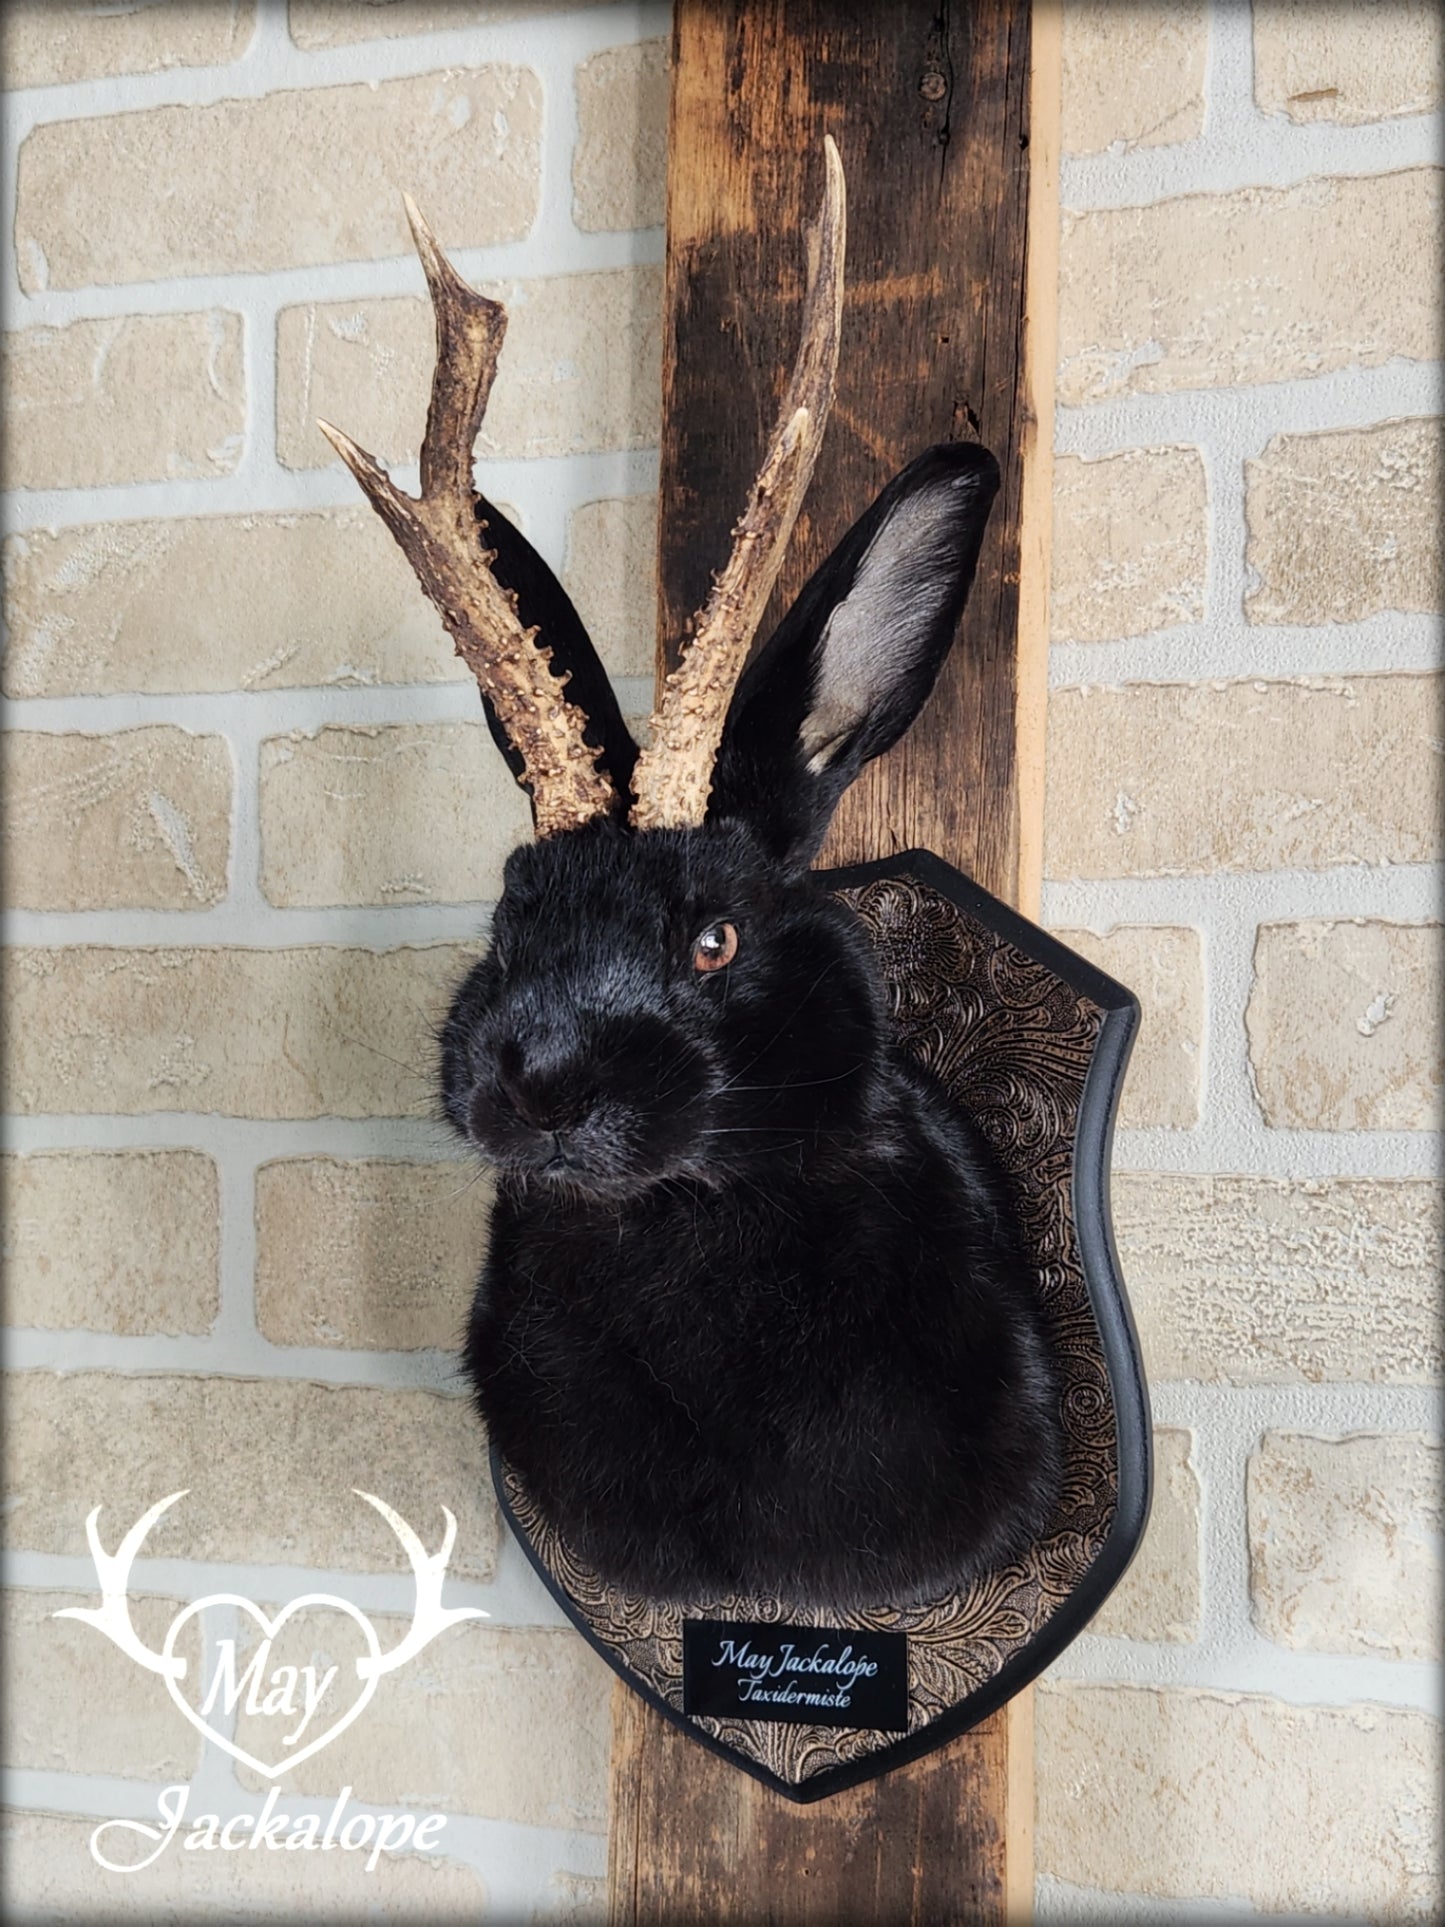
x,y
756,1315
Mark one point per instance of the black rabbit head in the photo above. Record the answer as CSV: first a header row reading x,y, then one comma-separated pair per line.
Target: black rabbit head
x,y
671,1003
656,1005
667,994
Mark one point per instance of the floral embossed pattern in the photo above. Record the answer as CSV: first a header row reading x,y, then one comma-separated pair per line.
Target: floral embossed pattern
x,y
1013,1042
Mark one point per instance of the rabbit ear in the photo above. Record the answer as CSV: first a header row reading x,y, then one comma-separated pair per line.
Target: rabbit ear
x,y
544,604
854,659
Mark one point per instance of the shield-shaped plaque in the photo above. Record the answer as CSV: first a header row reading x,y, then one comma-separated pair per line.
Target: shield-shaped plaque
x,y
1034,1041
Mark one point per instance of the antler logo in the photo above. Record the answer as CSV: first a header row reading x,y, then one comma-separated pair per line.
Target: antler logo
x,y
294,1694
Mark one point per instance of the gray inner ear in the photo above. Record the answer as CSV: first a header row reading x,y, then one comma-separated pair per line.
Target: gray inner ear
x,y
875,635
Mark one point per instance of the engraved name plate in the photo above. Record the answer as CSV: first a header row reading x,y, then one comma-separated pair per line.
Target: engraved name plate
x,y
812,1675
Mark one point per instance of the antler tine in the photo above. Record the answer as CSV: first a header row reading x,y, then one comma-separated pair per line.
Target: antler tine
x,y
673,777
440,536
112,1570
470,333
429,1617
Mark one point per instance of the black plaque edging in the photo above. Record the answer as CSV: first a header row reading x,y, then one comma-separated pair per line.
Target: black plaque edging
x,y
1093,1229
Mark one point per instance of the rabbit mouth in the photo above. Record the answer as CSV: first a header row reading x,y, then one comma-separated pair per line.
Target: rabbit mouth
x,y
609,1106
610,1152
565,1167
569,1175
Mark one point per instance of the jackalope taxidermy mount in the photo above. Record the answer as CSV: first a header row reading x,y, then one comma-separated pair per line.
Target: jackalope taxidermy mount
x,y
755,1316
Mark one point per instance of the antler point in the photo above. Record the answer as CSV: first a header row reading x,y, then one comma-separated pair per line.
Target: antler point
x,y
341,442
423,239
112,1571
673,774
455,574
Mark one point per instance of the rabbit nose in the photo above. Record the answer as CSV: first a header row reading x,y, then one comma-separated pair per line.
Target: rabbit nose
x,y
537,1108
545,1103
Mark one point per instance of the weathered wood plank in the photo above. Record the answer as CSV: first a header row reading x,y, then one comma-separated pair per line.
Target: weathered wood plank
x,y
930,105
1036,499
706,1844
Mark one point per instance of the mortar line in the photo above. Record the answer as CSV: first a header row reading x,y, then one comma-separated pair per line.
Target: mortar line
x,y
1228,649
1063,1901
1401,893
593,474
272,63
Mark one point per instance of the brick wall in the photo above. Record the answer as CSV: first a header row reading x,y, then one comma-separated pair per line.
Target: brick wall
x,y
1243,804
252,827
252,823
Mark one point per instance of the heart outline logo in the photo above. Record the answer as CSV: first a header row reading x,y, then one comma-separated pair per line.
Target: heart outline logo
x,y
112,1617
369,1675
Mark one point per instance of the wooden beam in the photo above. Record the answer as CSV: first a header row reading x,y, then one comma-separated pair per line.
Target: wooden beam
x,y
1036,503
695,1841
950,149
928,105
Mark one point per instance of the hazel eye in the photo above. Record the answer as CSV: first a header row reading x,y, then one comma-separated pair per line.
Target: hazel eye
x,y
715,948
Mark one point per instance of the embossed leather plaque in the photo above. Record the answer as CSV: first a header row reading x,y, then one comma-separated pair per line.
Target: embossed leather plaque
x,y
812,1675
1032,1040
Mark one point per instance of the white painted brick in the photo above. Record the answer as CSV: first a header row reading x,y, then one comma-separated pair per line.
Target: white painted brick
x,y
316,24
1345,524
1241,1280
464,144
115,1241
216,602
132,398
1262,284
270,1466
374,1253
619,171
314,1031
581,370
1231,1797
1131,539
1181,779
510,1722
48,1862
1345,1027
1315,60
139,819
1133,76
611,575
74,1703
413,813
1344,1543
44,43
1164,967
1159,1596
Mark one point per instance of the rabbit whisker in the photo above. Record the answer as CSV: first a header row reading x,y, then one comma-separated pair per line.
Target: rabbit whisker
x,y
799,1084
792,1015
462,1189
768,1198
661,1097
411,1069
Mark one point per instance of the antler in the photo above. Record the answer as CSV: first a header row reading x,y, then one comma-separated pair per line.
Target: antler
x,y
674,773
441,538
112,1617
430,1618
